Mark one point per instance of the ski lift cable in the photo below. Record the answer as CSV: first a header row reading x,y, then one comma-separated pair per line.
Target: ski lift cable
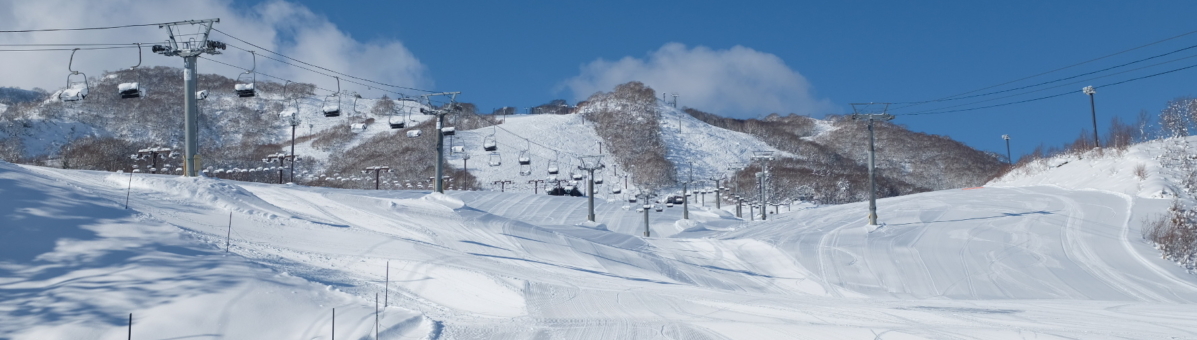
x,y
80,28
316,66
260,73
333,74
66,49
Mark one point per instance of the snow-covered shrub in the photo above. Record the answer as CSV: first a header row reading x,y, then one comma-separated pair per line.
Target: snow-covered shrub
x,y
1175,235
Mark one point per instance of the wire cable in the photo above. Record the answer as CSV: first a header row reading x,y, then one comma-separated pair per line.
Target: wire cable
x,y
1050,81
1065,67
79,29
316,66
65,49
1051,96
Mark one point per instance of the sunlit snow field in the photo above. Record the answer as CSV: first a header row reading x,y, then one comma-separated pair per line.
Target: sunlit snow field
x,y
1040,255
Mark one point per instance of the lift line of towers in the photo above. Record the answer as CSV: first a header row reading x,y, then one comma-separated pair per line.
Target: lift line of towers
x,y
245,86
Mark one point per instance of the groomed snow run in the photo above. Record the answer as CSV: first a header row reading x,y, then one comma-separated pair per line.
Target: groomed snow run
x,y
1013,262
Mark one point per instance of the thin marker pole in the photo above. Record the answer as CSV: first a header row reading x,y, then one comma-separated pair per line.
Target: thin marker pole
x,y
229,236
334,324
129,191
130,326
375,316
387,286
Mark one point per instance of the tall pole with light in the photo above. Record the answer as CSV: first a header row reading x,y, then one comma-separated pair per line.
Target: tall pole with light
x,y
1089,90
1009,158
763,175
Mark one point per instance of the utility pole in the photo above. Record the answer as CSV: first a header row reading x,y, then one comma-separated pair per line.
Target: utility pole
x,y
376,170
739,206
1092,110
590,164
685,195
872,117
294,123
440,113
1009,158
763,175
190,49
502,184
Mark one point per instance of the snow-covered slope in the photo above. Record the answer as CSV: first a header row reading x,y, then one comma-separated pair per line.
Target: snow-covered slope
x,y
1135,171
711,150
1023,261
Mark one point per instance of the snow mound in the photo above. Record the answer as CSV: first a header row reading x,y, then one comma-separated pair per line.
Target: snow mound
x,y
1135,171
445,200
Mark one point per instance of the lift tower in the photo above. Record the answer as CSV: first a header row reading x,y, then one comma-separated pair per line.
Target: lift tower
x,y
190,45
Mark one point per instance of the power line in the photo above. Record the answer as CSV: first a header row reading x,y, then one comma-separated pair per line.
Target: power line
x,y
1051,96
1049,81
1062,68
1063,85
317,66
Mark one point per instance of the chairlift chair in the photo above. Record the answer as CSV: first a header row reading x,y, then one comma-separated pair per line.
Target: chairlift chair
x,y
489,143
524,158
402,123
525,170
553,169
457,149
616,190
245,85
495,159
355,111
414,133
73,92
448,131
132,90
332,103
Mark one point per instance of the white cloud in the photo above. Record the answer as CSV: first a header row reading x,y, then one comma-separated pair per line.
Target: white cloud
x,y
736,82
280,26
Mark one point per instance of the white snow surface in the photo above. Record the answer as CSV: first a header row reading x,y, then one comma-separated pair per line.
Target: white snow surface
x,y
709,149
1037,258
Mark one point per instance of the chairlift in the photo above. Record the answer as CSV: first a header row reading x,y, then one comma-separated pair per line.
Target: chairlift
x,y
414,133
525,169
631,199
658,208
333,109
457,149
73,92
245,85
355,98
448,131
598,180
553,170
525,158
402,123
617,190
489,143
132,90
495,159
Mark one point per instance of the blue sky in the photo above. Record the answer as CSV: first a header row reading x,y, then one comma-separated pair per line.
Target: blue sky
x,y
520,53
741,59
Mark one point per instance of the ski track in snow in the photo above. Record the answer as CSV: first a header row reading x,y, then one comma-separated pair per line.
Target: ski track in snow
x,y
992,263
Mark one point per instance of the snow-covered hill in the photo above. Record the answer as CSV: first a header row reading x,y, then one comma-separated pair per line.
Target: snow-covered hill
x,y
1043,255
